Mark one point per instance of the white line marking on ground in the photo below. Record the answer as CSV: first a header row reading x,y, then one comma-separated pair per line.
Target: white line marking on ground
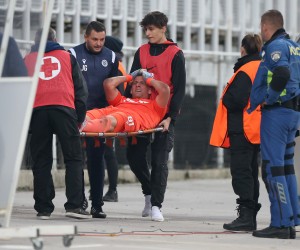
x,y
15,247
87,246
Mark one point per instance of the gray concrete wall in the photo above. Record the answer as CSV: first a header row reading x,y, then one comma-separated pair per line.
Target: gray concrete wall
x,y
126,176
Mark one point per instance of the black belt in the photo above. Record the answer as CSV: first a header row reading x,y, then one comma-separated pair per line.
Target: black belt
x,y
290,104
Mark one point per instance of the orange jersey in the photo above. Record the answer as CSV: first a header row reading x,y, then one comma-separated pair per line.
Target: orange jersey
x,y
133,114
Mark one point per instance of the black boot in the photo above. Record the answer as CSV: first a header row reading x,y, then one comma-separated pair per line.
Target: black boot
x,y
273,232
244,221
292,233
256,209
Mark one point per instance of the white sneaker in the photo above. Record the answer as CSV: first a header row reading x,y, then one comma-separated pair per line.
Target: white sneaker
x,y
147,209
156,214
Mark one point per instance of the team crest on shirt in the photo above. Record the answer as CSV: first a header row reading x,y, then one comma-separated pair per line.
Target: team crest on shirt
x,y
104,63
276,56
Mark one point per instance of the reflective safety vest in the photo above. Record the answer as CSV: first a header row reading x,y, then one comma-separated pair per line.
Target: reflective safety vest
x,y
251,122
123,72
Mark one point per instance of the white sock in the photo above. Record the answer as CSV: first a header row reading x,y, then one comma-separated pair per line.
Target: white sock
x,y
147,209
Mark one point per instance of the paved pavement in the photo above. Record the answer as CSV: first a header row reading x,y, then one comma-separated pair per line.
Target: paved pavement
x,y
194,212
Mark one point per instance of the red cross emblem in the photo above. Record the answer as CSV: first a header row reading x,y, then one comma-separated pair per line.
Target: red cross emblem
x,y
48,67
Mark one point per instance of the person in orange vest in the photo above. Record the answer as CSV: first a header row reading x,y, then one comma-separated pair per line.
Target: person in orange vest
x,y
235,129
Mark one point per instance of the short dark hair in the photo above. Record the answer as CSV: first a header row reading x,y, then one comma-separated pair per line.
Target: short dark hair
x,y
51,35
156,18
273,17
95,25
252,43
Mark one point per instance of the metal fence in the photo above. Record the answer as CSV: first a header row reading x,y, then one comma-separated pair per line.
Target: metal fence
x,y
208,31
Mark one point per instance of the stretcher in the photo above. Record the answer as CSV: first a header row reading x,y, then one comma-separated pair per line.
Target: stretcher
x,y
109,136
121,134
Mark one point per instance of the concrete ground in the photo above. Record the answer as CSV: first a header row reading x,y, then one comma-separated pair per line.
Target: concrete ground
x,y
194,212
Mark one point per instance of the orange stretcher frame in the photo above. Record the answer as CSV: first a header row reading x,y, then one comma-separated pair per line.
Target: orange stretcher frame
x,y
121,134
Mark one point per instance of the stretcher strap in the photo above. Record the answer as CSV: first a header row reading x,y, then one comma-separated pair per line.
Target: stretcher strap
x,y
120,134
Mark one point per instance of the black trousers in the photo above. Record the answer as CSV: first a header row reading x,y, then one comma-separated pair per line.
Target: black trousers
x,y
153,183
45,123
111,166
244,170
95,149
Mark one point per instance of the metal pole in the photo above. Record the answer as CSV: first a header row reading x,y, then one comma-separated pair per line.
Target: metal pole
x,y
7,31
220,151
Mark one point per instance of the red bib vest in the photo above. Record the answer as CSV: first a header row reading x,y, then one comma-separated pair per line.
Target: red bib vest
x,y
251,122
160,65
55,86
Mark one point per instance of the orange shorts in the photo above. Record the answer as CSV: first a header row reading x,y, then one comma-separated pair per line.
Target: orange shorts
x,y
125,120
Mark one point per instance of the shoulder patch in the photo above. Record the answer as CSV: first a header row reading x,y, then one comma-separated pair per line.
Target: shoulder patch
x,y
276,56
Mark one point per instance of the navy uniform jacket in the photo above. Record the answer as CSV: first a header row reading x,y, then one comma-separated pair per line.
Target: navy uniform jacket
x,y
95,69
279,51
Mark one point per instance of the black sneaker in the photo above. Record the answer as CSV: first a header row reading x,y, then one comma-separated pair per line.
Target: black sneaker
x,y
98,213
111,196
78,213
43,216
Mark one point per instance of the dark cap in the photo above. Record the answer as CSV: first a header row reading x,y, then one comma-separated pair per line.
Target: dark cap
x,y
113,43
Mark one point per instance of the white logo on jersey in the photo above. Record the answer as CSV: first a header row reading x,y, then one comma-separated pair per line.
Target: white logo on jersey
x,y
135,101
84,66
50,68
130,121
104,63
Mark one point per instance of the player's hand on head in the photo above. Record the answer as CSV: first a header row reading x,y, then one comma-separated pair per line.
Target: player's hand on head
x,y
135,73
147,75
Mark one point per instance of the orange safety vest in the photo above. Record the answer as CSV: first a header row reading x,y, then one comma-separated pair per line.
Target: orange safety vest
x,y
251,122
123,72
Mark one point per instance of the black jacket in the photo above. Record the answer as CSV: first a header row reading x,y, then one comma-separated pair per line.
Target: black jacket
x,y
237,95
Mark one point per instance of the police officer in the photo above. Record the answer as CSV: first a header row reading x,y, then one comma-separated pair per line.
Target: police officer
x,y
276,89
97,63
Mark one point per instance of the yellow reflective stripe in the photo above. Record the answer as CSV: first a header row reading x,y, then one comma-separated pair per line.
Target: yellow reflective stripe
x,y
269,79
283,92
